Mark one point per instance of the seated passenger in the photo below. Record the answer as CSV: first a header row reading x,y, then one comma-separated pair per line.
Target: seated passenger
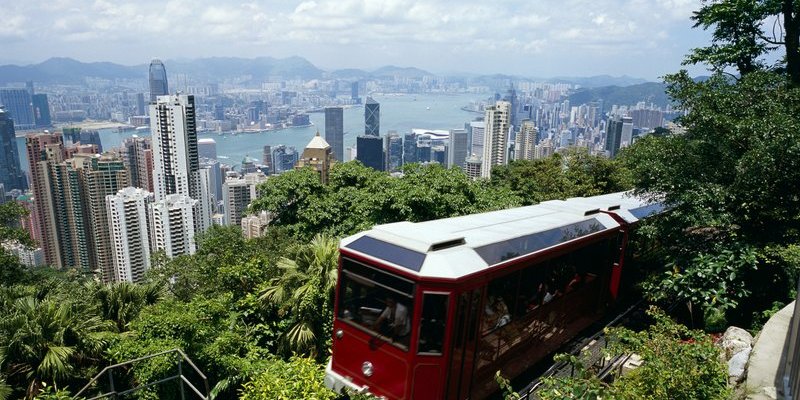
x,y
501,311
394,321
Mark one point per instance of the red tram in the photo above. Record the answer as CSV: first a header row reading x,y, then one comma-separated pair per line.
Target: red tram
x,y
431,310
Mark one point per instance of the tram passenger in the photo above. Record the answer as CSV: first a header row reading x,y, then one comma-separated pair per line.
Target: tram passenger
x,y
394,320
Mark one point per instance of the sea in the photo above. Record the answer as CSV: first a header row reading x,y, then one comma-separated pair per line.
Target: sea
x,y
398,112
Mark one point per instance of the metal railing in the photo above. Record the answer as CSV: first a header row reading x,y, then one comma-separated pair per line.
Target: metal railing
x,y
179,377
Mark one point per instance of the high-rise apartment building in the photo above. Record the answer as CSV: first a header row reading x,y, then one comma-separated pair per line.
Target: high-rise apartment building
x,y
43,150
137,154
11,175
173,225
254,226
158,80
369,151
472,167
130,236
319,156
495,138
372,117
457,150
334,131
525,144
237,193
19,104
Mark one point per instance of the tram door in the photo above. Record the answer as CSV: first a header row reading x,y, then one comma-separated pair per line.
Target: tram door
x,y
465,338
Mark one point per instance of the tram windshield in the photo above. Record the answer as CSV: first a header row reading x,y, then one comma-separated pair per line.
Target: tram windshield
x,y
376,301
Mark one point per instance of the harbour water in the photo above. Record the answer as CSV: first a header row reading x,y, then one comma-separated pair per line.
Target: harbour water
x,y
400,113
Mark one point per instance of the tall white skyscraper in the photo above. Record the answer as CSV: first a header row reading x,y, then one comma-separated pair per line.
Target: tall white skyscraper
x,y
478,128
173,225
176,164
457,151
237,193
495,138
129,224
525,144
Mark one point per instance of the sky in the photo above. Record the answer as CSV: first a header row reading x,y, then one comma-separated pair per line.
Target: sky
x,y
536,38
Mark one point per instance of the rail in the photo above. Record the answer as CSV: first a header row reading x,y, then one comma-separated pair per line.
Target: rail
x,y
597,345
791,365
179,377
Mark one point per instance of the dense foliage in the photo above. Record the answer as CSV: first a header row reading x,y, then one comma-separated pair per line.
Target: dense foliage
x,y
677,364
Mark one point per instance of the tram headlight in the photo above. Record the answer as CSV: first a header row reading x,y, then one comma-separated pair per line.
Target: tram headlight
x,y
366,368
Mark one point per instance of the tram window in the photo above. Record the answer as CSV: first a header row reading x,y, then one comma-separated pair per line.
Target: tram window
x,y
432,323
500,301
378,303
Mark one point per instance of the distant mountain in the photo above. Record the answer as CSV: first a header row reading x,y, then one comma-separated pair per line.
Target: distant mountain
x,y
67,70
403,72
650,92
260,69
600,80
349,73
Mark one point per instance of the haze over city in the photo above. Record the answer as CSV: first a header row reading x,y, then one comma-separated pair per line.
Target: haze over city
x,y
639,38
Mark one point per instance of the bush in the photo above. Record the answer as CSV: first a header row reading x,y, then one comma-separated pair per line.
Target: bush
x,y
299,378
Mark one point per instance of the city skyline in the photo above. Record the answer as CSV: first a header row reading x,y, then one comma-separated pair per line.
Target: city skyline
x,y
639,38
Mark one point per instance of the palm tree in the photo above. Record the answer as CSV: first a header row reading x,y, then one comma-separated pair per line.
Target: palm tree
x,y
304,292
48,340
122,302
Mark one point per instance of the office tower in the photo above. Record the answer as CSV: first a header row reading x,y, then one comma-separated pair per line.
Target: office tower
x,y
513,114
158,81
237,193
369,151
372,117
41,110
173,224
44,149
283,159
266,158
394,152
410,148
137,154
11,175
472,167
525,144
29,88
626,138
215,182
495,137
84,137
354,92
317,155
219,112
478,128
129,224
457,151
350,153
207,148
334,131
423,148
18,103
254,226
439,154
647,118
613,135
140,107
544,149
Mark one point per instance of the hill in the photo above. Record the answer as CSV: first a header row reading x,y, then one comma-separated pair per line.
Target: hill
x,y
623,95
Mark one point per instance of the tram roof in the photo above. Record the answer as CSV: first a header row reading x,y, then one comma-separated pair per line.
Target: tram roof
x,y
460,246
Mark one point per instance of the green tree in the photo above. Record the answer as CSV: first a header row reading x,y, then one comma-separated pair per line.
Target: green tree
x,y
11,270
298,378
304,293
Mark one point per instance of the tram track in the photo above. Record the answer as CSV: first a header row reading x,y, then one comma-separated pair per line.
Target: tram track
x,y
589,348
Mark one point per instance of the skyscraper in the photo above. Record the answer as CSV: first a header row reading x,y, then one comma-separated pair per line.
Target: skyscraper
x,y
472,167
173,225
237,193
457,151
140,109
11,175
410,148
317,155
334,131
394,152
137,154
369,151
619,134
478,128
207,148
495,137
41,110
266,158
372,117
283,158
525,144
129,223
158,80
176,160
19,104
45,149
